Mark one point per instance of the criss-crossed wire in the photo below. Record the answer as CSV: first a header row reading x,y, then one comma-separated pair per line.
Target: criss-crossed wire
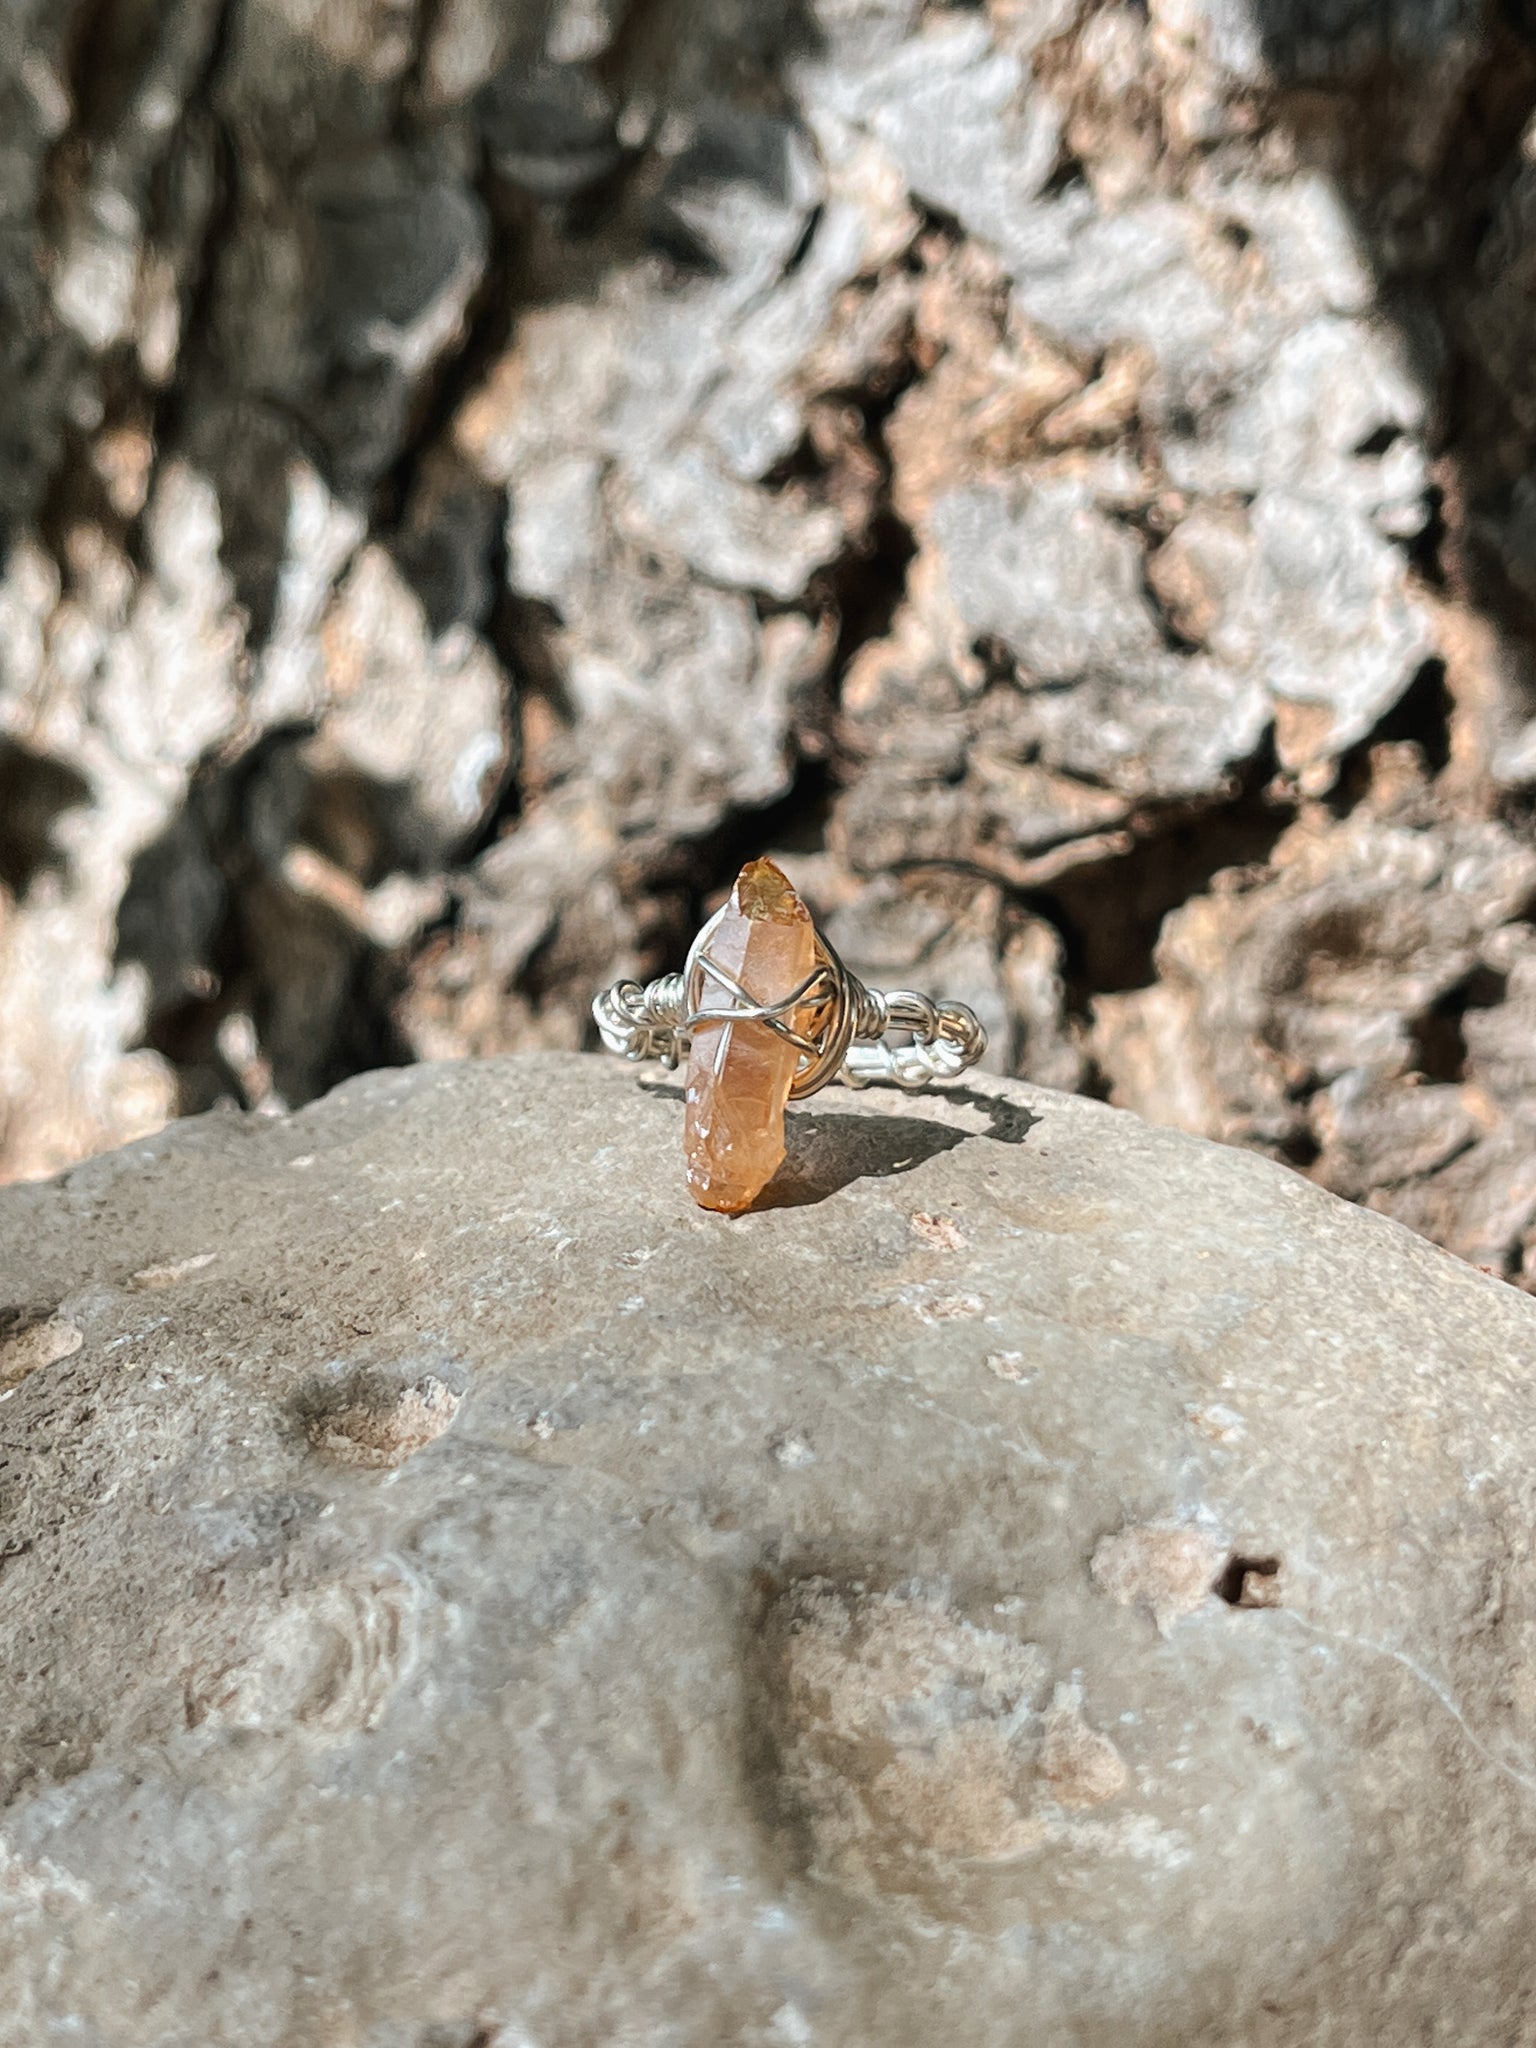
x,y
842,1039
747,1010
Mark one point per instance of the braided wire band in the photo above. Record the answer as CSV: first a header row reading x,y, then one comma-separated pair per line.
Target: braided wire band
x,y
836,1024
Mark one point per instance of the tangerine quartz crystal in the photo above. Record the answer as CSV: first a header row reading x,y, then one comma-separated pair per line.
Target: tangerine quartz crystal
x,y
740,1073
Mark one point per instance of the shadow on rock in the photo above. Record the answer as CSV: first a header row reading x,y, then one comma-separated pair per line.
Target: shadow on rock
x,y
828,1151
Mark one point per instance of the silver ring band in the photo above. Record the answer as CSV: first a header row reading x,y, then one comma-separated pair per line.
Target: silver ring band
x,y
836,1024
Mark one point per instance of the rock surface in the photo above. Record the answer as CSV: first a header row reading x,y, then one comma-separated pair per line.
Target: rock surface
x,y
1045,1579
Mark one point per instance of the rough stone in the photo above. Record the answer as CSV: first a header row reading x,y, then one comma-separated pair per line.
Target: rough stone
x,y
1323,1009
1302,595
476,1593
421,717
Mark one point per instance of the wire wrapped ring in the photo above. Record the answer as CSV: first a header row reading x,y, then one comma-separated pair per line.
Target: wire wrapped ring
x,y
837,1025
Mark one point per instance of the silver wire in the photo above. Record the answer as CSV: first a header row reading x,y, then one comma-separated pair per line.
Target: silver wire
x,y
842,1036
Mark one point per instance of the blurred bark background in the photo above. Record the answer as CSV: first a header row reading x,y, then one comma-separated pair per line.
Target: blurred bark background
x,y
1061,475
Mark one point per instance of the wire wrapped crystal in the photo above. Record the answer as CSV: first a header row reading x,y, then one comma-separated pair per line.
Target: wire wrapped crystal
x,y
768,1014
757,982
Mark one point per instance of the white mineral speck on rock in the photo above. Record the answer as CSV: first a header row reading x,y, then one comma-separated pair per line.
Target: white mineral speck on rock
x,y
791,1451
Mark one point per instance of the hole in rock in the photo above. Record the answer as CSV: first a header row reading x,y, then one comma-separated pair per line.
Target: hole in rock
x,y
1439,1041
796,258
1422,714
1069,175
1380,439
379,1418
1248,1581
1299,1148
1110,913
867,586
33,792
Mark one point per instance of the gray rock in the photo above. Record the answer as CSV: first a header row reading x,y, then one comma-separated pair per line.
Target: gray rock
x,y
1306,1010
549,128
1062,585
455,1587
1515,762
1301,595
420,716
960,118
726,531
1333,414
1174,728
1045,570
681,698
1094,277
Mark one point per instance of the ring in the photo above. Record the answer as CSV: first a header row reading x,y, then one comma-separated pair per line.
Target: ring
x,y
768,1014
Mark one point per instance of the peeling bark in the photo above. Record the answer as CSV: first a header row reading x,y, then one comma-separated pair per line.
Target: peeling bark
x,y
1059,476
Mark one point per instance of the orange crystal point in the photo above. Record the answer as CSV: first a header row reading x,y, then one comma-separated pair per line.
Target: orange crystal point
x,y
740,1074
